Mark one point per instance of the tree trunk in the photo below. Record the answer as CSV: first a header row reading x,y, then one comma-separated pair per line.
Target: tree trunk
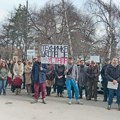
x,y
68,29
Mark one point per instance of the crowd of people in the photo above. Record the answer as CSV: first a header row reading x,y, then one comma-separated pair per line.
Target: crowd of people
x,y
75,77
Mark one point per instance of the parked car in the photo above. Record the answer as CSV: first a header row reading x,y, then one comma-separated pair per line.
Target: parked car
x,y
99,86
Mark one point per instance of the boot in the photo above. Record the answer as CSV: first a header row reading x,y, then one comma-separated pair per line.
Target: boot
x,y
4,92
47,90
61,95
104,100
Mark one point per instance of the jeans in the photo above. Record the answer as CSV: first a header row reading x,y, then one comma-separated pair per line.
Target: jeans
x,y
111,95
38,86
105,89
3,86
69,84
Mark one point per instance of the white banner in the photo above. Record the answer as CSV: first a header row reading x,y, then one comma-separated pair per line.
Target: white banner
x,y
95,59
30,54
54,54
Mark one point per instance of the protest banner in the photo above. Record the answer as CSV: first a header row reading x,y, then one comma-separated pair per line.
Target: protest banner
x,y
95,59
30,54
54,54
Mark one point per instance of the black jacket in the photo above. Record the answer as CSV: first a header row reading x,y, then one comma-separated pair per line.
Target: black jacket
x,y
93,73
104,78
113,73
39,76
60,72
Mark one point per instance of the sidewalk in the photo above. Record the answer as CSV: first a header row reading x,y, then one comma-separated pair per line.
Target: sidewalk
x,y
19,108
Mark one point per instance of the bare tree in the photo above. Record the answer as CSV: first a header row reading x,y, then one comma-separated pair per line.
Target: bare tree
x,y
106,14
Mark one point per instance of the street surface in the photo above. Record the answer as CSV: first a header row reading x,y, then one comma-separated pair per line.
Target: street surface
x,y
19,108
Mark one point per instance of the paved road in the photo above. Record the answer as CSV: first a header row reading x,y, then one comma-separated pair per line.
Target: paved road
x,y
19,108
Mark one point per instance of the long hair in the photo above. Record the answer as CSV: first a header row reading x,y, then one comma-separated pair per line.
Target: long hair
x,y
1,65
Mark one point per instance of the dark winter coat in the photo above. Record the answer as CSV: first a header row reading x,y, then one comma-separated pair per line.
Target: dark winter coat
x,y
39,75
60,70
93,73
82,75
50,74
113,73
104,78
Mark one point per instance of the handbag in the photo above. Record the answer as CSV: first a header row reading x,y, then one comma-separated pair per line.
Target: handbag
x,y
17,81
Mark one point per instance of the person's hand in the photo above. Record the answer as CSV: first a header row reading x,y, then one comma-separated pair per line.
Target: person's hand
x,y
60,77
66,71
3,78
17,76
41,68
115,82
76,81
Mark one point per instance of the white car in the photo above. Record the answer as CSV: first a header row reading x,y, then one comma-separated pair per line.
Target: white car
x,y
99,86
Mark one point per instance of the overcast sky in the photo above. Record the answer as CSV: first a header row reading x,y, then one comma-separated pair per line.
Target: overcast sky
x,y
7,6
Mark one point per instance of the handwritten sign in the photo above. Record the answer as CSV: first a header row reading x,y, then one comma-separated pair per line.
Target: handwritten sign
x,y
54,54
95,59
30,54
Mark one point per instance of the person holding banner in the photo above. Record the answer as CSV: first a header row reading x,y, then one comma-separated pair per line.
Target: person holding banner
x,y
39,77
113,75
72,80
